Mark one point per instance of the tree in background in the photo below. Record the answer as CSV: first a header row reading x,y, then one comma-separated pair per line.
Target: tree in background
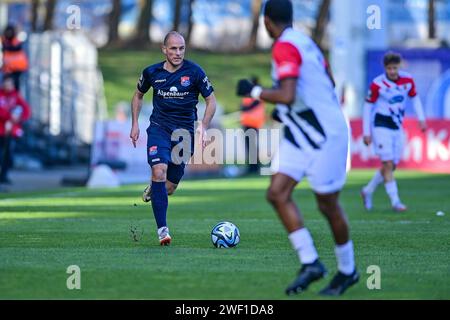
x,y
431,19
34,14
49,14
113,23
321,23
179,5
190,21
141,37
37,6
256,11
177,15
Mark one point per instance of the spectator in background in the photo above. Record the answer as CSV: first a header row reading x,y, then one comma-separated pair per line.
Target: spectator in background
x,y
15,60
252,117
14,110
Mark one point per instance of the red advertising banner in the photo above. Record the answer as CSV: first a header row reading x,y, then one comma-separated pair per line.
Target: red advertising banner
x,y
429,151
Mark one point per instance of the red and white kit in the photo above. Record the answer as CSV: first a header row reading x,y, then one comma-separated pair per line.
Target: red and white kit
x,y
384,112
315,136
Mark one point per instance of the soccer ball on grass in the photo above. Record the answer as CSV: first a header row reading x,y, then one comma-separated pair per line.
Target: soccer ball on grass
x,y
225,235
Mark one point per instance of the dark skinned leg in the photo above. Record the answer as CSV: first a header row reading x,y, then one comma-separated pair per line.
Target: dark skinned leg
x,y
331,209
279,195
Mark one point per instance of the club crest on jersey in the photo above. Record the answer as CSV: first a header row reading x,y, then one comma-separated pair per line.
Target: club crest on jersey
x,y
185,82
153,150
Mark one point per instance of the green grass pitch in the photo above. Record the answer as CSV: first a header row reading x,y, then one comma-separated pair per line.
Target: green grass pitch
x,y
41,234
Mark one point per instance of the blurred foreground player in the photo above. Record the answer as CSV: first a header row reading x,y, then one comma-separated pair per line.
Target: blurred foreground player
x,y
314,145
176,84
382,124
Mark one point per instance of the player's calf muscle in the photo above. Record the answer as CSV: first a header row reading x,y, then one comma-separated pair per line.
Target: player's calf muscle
x,y
170,188
328,206
387,171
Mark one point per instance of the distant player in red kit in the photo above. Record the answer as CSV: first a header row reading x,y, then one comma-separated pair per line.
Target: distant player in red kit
x,y
13,112
382,121
315,146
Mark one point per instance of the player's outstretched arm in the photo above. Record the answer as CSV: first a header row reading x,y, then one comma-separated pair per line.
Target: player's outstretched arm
x,y
418,108
136,106
211,105
367,112
284,94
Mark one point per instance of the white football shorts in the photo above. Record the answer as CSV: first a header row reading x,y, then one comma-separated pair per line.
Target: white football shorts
x,y
388,144
325,168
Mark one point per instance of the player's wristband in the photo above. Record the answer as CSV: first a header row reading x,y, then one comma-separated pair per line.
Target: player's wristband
x,y
256,92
